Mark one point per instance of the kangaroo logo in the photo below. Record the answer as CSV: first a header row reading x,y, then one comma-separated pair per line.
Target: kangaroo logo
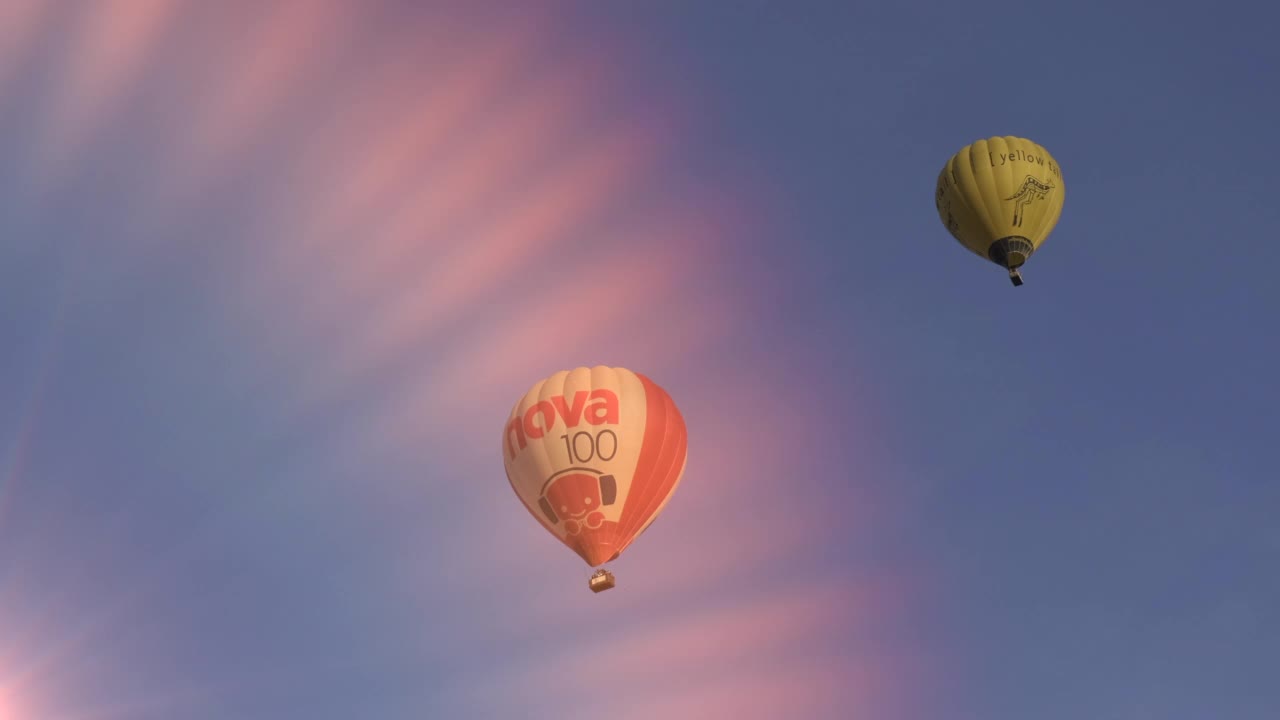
x,y
1031,190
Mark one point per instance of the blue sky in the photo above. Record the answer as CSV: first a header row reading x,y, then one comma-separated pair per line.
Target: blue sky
x,y
250,426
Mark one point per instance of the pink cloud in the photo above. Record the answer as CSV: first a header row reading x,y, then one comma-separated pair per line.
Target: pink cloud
x,y
771,654
20,24
113,39
516,241
274,53
407,146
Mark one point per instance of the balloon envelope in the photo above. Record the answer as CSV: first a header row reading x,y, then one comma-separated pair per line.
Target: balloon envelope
x,y
595,454
1000,198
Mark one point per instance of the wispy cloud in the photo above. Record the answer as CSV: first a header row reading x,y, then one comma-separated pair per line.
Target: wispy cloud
x,y
111,42
430,223
757,655
21,22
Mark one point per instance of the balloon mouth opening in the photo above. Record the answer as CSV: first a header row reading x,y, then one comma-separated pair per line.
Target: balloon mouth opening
x,y
1010,252
594,554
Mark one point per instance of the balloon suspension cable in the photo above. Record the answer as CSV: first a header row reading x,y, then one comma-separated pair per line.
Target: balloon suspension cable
x,y
1015,277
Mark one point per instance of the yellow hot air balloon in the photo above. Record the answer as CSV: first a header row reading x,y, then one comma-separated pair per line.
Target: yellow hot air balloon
x,y
1001,197
594,454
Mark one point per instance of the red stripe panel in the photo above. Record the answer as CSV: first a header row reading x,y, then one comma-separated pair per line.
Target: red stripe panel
x,y
662,453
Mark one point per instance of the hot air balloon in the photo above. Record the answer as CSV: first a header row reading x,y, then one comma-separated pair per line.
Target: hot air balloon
x,y
1000,198
595,454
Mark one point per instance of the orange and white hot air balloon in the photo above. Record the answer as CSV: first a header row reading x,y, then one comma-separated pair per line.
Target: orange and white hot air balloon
x,y
595,454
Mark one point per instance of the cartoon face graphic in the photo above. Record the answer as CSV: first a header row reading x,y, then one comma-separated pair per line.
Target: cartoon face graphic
x,y
576,498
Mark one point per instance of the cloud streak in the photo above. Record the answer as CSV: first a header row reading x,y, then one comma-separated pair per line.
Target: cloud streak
x,y
403,255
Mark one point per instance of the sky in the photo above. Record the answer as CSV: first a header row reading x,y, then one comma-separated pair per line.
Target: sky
x,y
273,275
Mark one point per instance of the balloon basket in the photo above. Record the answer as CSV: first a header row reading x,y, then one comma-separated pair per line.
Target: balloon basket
x,y
1015,277
600,581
